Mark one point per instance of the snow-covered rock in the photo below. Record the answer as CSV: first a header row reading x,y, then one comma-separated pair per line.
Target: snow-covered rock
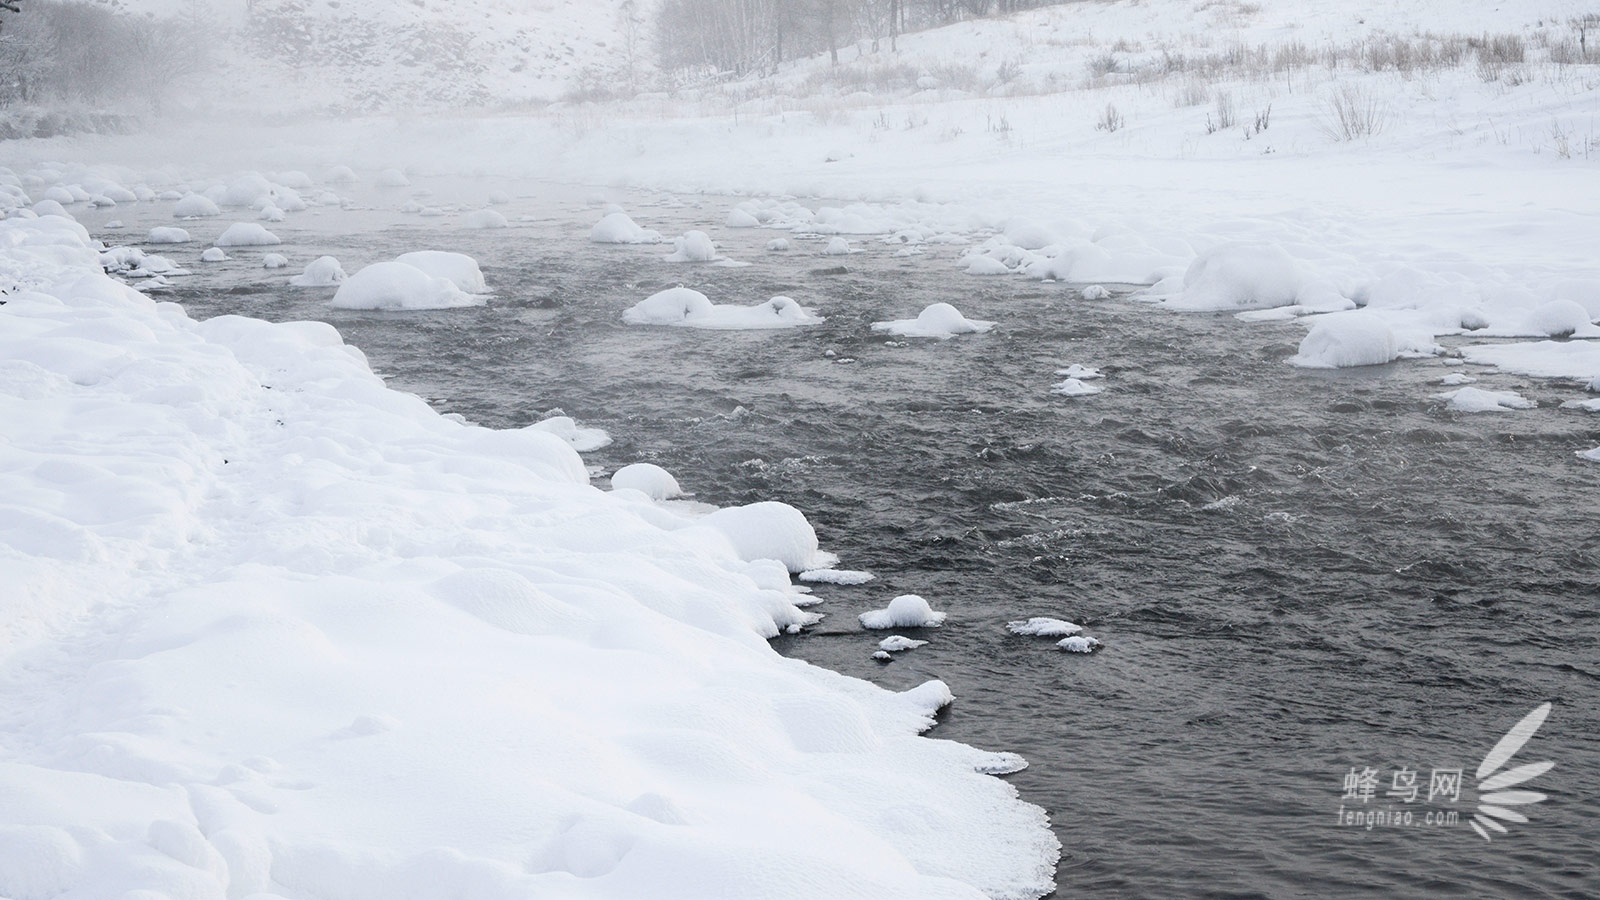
x,y
689,308
939,320
484,218
324,271
459,268
904,611
1342,340
771,530
396,285
619,228
247,234
1044,626
168,235
650,479
195,206
1474,400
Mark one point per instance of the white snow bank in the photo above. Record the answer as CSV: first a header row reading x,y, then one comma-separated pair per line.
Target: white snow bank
x,y
689,308
396,285
246,234
1474,400
771,530
1541,359
324,271
458,268
332,608
1343,340
904,611
655,482
1240,276
1043,626
618,228
940,320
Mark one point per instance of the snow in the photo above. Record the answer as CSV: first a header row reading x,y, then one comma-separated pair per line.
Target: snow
x,y
1078,644
904,611
1542,359
837,246
213,254
939,320
274,629
1240,276
1075,387
458,268
1043,626
1476,400
836,576
652,480
896,643
392,178
771,530
246,234
693,246
1343,340
1456,379
168,235
484,218
1592,455
195,206
576,436
619,228
274,261
324,271
689,308
1080,372
396,285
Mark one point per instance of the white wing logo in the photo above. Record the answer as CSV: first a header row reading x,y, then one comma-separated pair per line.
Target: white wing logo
x,y
1494,801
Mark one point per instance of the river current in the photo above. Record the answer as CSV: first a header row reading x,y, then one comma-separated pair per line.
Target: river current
x,y
1299,577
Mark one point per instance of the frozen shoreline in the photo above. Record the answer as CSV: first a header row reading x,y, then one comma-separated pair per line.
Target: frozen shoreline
x,y
280,629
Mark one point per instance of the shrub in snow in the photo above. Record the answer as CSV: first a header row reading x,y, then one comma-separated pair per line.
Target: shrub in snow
x,y
1473,400
940,320
693,246
324,271
771,530
163,235
1343,340
247,234
739,218
837,247
484,218
1240,276
457,267
195,206
396,285
651,479
213,254
274,261
618,228
393,178
904,611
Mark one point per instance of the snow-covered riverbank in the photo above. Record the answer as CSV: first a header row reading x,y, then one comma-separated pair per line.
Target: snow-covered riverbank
x,y
271,628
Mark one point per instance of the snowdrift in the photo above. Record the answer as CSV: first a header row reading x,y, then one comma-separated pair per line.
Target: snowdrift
x,y
273,628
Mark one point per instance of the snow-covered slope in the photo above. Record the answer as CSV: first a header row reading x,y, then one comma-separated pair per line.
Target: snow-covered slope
x,y
273,630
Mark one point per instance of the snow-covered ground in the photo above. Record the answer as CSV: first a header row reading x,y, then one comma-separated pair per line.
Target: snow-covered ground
x,y
271,626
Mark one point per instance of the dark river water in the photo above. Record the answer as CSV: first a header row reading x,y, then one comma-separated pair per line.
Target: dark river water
x,y
1295,574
